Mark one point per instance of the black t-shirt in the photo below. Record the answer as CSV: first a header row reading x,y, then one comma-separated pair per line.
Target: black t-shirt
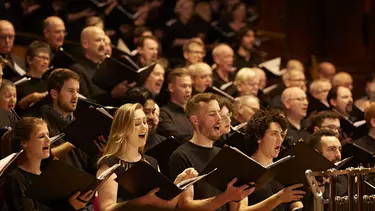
x,y
265,192
122,194
191,155
16,184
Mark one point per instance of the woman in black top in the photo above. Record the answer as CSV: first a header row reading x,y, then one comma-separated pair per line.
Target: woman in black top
x,y
31,135
125,145
265,133
37,63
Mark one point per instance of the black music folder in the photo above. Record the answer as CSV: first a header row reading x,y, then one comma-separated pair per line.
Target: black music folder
x,y
355,130
232,163
59,180
163,151
237,139
87,127
305,158
141,178
113,72
315,105
361,156
124,57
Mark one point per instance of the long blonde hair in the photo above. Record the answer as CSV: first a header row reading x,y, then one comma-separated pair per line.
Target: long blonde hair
x,y
122,127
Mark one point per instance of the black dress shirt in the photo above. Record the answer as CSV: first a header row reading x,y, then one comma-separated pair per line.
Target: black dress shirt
x,y
174,122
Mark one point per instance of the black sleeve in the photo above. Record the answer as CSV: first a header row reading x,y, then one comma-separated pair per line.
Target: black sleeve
x,y
166,126
15,197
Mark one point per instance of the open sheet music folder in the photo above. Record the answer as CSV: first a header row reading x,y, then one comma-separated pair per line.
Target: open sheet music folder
x,y
305,158
87,127
113,72
141,178
232,163
7,161
59,180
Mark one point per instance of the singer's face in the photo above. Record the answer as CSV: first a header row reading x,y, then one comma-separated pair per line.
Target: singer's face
x,y
38,147
40,62
209,120
331,148
225,116
203,79
55,33
96,43
248,40
7,35
139,134
149,51
155,80
8,98
68,95
270,143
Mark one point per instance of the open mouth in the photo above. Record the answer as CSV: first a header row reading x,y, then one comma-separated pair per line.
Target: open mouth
x,y
142,136
45,148
217,128
277,149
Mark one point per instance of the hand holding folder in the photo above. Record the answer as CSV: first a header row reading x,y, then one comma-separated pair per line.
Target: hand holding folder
x,y
141,178
90,124
246,170
305,158
56,183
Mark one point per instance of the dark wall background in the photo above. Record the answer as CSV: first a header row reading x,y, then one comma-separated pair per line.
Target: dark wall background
x,y
342,32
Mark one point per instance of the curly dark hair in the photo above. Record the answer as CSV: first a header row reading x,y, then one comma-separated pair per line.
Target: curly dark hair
x,y
259,123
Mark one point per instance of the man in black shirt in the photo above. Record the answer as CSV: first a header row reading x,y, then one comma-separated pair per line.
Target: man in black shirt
x,y
182,28
148,50
15,66
63,87
203,112
341,100
244,56
54,32
173,117
201,74
326,142
93,44
224,71
154,81
295,109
